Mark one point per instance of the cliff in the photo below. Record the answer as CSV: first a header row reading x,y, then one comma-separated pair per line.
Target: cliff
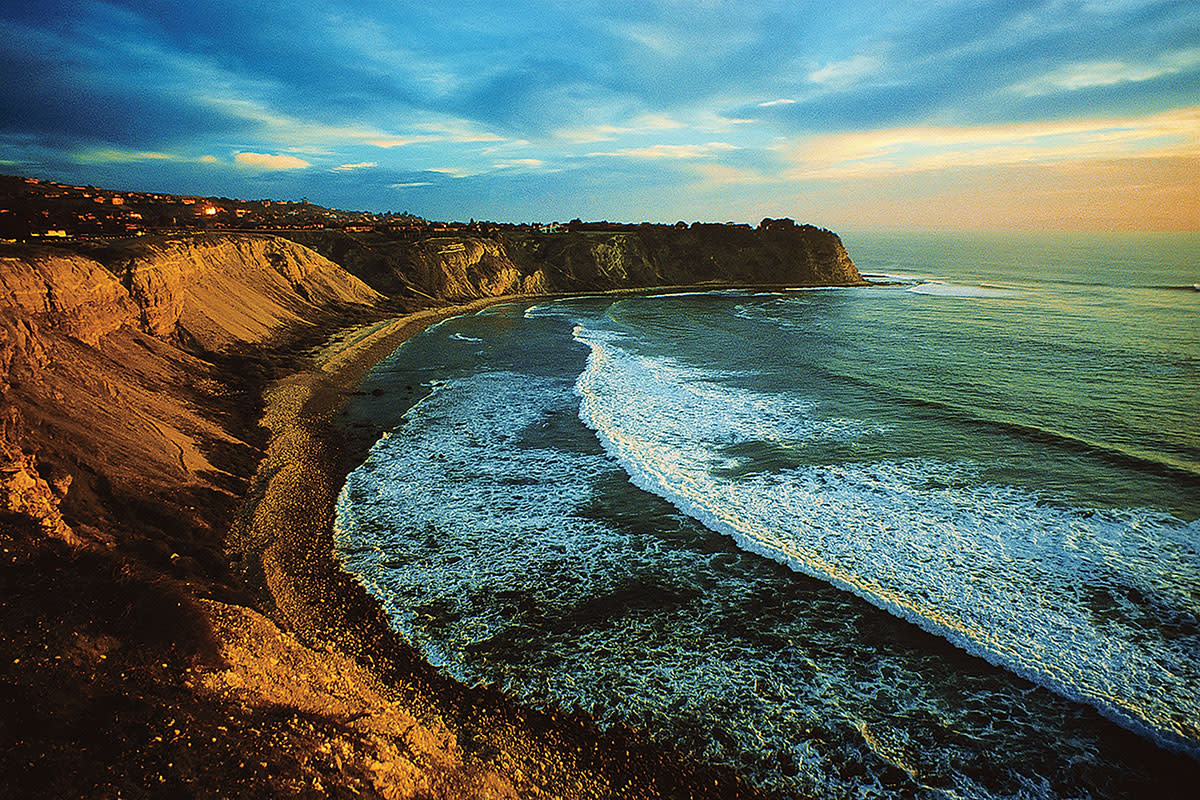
x,y
226,289
111,358
135,659
466,267
150,644
108,373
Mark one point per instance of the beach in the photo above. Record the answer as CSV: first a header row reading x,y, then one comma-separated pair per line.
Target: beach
x,y
484,741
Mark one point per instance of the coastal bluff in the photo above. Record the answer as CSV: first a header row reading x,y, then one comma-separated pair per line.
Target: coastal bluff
x,y
149,648
462,267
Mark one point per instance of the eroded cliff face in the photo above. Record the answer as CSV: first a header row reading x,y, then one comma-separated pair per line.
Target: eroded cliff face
x,y
464,267
655,255
108,391
63,291
229,289
104,386
23,490
439,268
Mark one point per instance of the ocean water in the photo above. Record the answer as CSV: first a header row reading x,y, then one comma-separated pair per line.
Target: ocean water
x,y
936,538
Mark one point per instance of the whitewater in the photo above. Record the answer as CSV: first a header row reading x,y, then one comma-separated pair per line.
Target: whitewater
x,y
937,536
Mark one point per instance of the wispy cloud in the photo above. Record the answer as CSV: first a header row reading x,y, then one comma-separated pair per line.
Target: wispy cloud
x,y
916,149
842,73
592,133
647,123
518,163
271,162
278,127
673,100
116,155
670,151
657,122
722,175
457,134
402,141
1092,74
109,155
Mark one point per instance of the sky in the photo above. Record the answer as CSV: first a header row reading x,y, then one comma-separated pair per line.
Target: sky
x,y
1067,114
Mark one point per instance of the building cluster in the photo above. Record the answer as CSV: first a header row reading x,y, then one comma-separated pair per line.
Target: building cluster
x,y
40,210
33,210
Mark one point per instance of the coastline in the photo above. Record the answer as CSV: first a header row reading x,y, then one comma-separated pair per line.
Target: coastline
x,y
170,455
490,744
182,622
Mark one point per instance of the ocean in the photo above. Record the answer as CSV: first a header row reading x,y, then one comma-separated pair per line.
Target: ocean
x,y
932,538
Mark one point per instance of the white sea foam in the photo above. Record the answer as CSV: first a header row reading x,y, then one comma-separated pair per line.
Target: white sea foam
x,y
902,276
987,567
480,538
939,289
821,288
500,308
491,543
459,337
559,307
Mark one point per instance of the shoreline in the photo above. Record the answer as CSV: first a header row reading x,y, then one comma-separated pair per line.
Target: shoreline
x,y
284,536
356,451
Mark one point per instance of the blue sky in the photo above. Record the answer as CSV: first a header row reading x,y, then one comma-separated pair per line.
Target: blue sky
x,y
856,115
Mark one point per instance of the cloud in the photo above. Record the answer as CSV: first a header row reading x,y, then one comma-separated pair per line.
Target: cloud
x,y
657,122
266,161
843,73
440,131
527,163
359,165
116,155
721,174
593,133
676,92
109,155
403,141
1093,74
891,151
670,151
644,123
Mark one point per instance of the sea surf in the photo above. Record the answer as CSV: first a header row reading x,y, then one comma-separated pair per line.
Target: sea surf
x,y
936,536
